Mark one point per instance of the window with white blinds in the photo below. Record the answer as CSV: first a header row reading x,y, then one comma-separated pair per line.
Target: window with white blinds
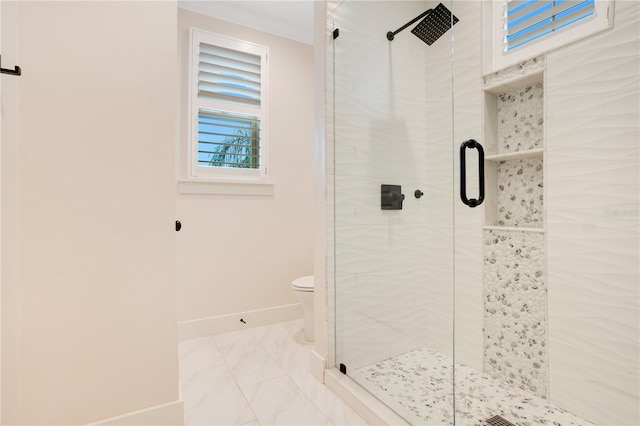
x,y
524,29
528,20
228,98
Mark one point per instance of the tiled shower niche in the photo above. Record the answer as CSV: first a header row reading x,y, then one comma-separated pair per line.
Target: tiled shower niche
x,y
520,119
514,146
520,193
515,303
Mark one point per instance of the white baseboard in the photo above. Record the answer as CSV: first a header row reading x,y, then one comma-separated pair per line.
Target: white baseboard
x,y
169,414
318,365
362,402
223,323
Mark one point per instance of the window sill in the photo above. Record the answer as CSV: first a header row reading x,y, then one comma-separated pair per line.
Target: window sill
x,y
224,187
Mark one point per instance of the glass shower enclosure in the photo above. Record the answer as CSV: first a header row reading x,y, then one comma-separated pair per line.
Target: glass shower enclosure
x,y
394,202
527,307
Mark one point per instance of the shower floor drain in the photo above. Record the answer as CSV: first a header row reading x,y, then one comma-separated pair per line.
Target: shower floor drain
x,y
499,421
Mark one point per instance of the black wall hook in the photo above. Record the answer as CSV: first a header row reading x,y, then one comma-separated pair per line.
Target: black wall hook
x,y
15,71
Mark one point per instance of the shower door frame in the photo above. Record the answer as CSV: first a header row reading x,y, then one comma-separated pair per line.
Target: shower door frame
x,y
344,386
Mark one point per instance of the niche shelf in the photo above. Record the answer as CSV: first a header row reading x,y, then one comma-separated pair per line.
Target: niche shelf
x,y
513,228
513,135
519,155
514,82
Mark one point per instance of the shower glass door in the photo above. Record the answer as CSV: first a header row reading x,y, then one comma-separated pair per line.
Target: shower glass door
x,y
394,151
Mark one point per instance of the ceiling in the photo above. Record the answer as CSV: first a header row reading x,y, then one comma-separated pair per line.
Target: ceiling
x,y
292,19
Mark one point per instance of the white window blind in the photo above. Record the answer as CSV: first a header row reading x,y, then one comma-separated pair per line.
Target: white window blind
x,y
528,20
229,75
228,90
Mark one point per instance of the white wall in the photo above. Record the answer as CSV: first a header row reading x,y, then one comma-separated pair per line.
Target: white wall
x,y
95,233
324,324
592,182
239,253
11,304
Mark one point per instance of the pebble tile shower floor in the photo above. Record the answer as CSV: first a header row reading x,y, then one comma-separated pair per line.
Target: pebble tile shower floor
x,y
419,383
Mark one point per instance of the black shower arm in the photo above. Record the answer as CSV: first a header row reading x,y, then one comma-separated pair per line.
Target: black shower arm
x,y
391,35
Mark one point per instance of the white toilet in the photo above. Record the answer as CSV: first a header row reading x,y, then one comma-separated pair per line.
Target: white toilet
x,y
303,289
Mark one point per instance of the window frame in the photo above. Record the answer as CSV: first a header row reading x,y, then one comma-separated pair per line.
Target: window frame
x,y
500,59
196,105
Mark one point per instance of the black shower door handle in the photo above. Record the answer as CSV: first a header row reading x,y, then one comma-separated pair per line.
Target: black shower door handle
x,y
471,144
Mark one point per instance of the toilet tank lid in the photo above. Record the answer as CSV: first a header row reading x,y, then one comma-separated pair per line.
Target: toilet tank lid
x,y
303,282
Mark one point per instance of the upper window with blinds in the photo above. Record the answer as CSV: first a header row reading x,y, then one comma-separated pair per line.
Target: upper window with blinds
x,y
524,29
228,98
529,20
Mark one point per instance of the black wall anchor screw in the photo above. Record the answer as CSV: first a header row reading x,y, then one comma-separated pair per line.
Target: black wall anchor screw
x,y
418,193
242,321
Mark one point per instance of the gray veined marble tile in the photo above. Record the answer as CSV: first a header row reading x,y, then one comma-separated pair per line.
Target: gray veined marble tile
x,y
235,342
280,338
214,398
197,355
253,367
281,402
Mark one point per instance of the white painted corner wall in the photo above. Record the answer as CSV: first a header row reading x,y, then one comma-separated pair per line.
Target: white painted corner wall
x,y
91,211
10,220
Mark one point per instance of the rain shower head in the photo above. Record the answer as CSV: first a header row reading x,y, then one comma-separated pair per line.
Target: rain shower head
x,y
436,22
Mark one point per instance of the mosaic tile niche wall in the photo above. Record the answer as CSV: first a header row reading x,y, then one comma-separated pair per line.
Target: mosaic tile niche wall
x,y
520,197
515,291
515,305
521,119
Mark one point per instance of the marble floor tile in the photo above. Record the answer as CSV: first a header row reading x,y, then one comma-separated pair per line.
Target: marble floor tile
x,y
257,376
286,343
236,342
281,338
253,367
212,397
281,402
197,355
329,404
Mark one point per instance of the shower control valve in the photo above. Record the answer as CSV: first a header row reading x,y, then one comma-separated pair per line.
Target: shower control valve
x,y
391,197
